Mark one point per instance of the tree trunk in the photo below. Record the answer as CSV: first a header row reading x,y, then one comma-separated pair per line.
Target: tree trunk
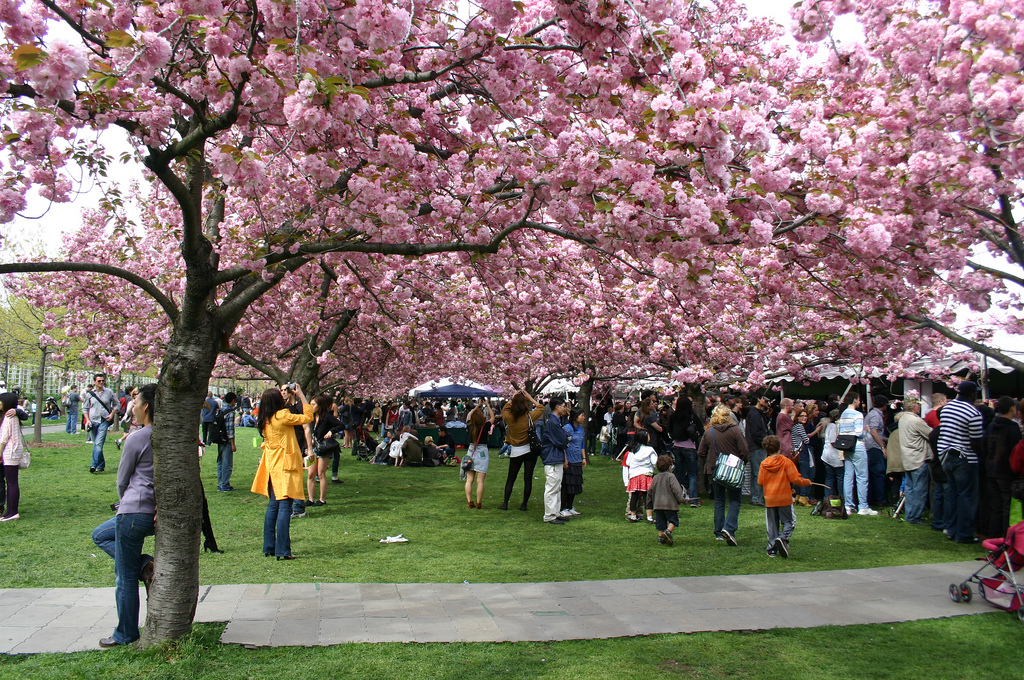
x,y
37,430
306,371
182,386
696,395
583,397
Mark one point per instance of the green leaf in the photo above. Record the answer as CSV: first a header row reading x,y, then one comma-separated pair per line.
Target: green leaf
x,y
604,206
27,56
119,38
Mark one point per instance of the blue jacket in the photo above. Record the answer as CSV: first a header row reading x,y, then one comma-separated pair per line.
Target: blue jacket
x,y
574,452
554,441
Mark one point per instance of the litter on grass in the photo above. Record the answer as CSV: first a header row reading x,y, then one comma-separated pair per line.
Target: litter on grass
x,y
395,539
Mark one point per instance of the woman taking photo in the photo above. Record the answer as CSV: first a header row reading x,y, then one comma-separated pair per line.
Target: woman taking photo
x,y
478,422
123,536
279,476
326,429
518,420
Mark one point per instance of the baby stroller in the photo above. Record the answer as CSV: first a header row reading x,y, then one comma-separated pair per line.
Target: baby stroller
x,y
363,445
997,578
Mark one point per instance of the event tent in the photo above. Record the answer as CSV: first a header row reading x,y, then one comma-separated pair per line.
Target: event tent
x,y
456,391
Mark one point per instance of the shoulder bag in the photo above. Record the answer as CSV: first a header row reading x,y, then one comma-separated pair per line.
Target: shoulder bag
x,y
26,455
728,468
845,442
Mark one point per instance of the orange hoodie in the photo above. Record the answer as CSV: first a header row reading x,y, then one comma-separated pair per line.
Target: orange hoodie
x,y
777,474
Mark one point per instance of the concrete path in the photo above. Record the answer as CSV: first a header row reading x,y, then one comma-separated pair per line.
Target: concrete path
x,y
301,614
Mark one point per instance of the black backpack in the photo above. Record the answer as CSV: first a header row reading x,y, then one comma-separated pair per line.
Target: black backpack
x,y
219,431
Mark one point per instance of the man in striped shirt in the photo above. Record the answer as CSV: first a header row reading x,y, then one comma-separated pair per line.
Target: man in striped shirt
x,y
960,443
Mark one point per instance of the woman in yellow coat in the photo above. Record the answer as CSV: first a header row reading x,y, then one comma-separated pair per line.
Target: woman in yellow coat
x,y
279,476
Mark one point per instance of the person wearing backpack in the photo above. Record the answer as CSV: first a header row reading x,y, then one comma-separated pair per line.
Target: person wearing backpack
x,y
686,431
224,435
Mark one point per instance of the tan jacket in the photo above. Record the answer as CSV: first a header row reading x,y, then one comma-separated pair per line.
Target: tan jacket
x,y
518,431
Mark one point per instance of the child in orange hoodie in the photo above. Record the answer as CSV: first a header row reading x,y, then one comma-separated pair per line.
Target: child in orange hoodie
x,y
777,475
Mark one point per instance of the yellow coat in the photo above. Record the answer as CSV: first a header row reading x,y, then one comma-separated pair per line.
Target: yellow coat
x,y
281,462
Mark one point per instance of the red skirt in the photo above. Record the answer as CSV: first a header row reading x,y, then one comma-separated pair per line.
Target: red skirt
x,y
639,483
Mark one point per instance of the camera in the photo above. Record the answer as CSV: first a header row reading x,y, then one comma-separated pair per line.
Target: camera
x,y
290,386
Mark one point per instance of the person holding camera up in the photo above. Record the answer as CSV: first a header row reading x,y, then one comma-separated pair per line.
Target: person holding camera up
x,y
279,476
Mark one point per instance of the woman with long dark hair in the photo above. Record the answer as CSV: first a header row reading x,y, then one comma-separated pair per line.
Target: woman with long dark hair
x,y
279,476
326,429
12,449
685,429
123,537
518,420
478,426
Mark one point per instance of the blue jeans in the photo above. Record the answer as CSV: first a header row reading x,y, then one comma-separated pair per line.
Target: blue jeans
x,y
757,457
122,537
877,485
276,525
915,492
963,488
686,470
834,478
72,424
729,521
942,501
225,464
806,471
856,470
99,438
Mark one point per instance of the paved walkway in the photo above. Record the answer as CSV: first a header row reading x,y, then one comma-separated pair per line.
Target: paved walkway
x,y
308,614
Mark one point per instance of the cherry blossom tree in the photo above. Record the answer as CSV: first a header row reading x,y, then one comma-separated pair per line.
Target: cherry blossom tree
x,y
280,134
911,142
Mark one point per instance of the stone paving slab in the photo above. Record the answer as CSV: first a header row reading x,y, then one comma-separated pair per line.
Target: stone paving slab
x,y
313,614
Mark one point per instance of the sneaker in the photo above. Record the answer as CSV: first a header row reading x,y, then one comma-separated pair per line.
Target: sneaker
x,y
632,518
565,514
117,443
668,537
12,517
780,547
335,480
867,512
851,511
554,521
662,540
650,520
772,552
729,538
719,538
93,470
300,513
574,512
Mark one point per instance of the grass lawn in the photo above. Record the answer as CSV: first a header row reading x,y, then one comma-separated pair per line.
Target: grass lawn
x,y
61,503
975,647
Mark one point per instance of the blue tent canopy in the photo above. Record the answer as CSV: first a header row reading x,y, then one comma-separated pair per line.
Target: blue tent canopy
x,y
454,391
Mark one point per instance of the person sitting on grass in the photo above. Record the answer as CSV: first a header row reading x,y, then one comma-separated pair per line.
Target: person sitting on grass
x,y
665,495
776,477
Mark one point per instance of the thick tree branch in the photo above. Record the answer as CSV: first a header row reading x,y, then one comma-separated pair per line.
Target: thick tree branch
x,y
145,285
269,370
925,322
998,273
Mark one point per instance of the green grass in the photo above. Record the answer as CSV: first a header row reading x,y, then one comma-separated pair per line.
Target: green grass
x,y
976,647
61,504
50,546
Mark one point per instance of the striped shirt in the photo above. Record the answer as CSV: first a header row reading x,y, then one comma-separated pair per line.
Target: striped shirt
x,y
852,422
961,423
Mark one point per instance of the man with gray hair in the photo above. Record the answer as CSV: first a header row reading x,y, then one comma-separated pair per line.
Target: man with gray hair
x,y
913,440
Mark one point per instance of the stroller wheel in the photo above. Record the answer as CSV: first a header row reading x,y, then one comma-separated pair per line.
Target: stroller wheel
x,y
965,592
1020,614
954,592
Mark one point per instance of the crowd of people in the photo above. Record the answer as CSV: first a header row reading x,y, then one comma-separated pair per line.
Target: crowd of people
x,y
957,464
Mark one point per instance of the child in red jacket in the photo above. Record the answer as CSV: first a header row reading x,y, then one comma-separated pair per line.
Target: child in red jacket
x,y
777,475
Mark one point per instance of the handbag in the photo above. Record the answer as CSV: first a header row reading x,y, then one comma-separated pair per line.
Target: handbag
x,y
845,442
728,468
26,455
536,447
467,460
326,447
